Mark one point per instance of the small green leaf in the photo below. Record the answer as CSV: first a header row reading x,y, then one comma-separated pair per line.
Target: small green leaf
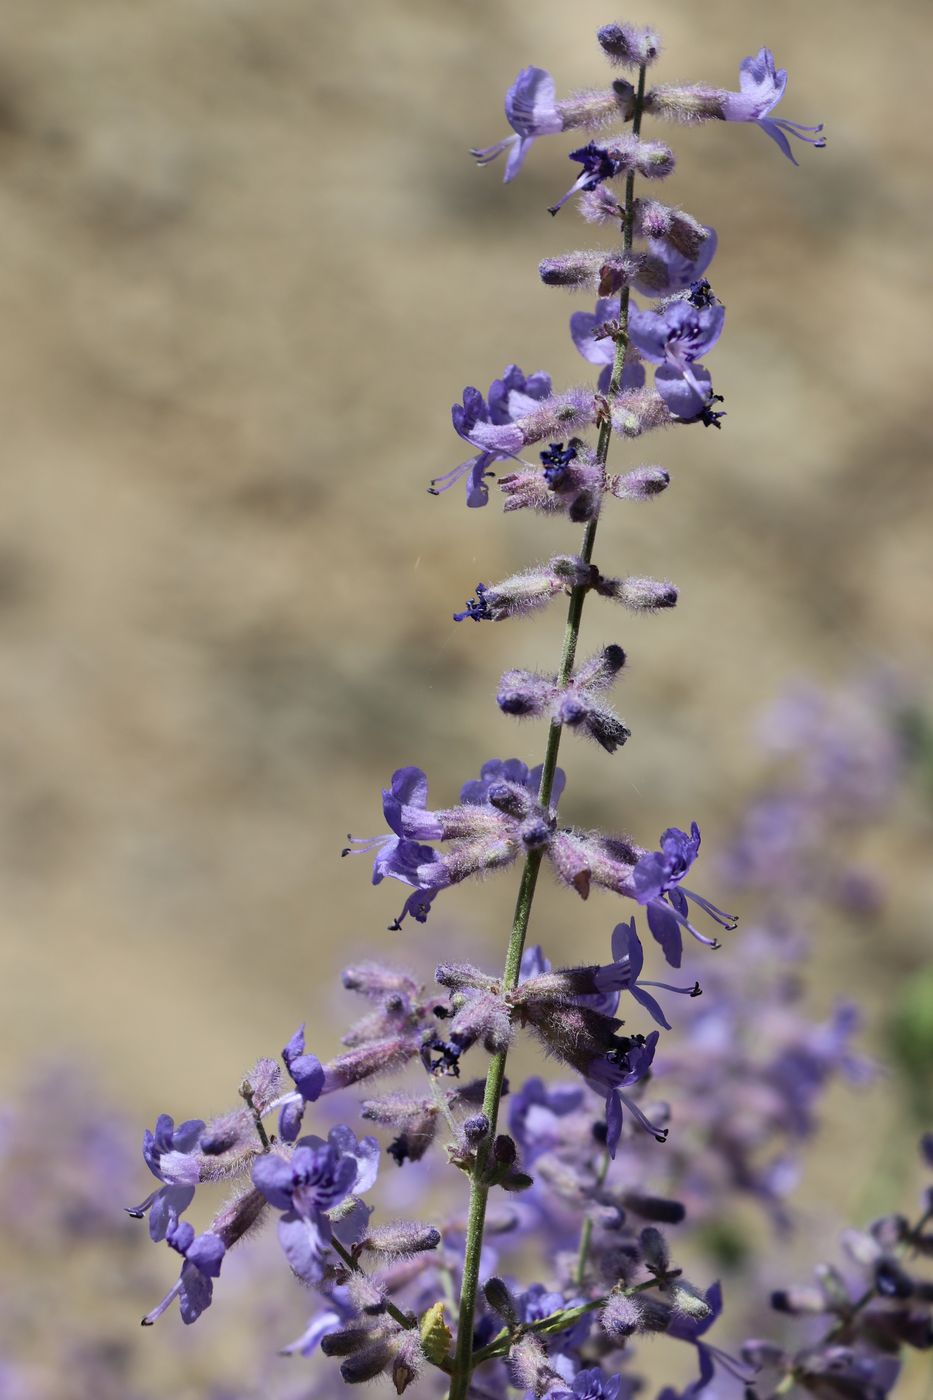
x,y
435,1335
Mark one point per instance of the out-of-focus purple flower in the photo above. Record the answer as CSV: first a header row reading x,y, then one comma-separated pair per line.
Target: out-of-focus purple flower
x,y
171,1155
531,109
203,1256
656,883
624,972
533,1114
489,424
306,1186
583,326
592,1384
762,86
691,1329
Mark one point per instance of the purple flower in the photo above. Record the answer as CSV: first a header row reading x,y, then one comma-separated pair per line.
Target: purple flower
x,y
674,338
624,972
593,1384
171,1156
531,109
667,271
678,334
397,856
762,87
656,884
203,1256
509,770
598,165
489,425
308,1074
610,1073
317,1177
691,399
583,325
533,1112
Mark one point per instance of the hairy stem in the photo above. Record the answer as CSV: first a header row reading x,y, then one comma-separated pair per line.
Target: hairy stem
x,y
479,1186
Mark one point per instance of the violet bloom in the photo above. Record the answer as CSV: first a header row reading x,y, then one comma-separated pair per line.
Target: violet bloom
x,y
531,110
656,884
673,338
509,770
317,1177
668,271
308,1075
534,1113
762,87
397,856
624,972
203,1256
598,165
592,1384
583,326
489,425
616,1071
171,1156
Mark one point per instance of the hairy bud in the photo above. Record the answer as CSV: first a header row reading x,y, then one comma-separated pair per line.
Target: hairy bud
x,y
629,45
639,485
594,109
402,1238
687,104
483,1018
500,1299
594,270
637,411
377,1057
367,1363
644,594
367,1296
372,979
527,1366
459,976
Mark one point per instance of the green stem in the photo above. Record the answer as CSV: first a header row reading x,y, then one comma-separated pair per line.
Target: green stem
x,y
479,1188
586,1233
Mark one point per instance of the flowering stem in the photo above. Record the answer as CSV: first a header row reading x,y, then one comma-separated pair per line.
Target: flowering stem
x,y
563,1320
479,1186
403,1319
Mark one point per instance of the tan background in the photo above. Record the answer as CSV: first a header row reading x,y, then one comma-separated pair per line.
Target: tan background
x,y
246,266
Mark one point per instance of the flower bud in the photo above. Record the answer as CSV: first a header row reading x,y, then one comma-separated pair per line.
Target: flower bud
x,y
637,411
594,270
484,1017
594,109
803,1298
366,1295
525,693
558,415
686,1301
367,1363
688,104
654,1250
409,1361
402,1238
527,1365
377,1057
639,485
644,594
476,1129
458,976
238,1217
600,206
500,1299
373,980
346,1340
654,1208
679,230
653,160
629,45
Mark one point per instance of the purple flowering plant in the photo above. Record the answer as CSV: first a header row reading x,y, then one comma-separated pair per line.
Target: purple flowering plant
x,y
579,1167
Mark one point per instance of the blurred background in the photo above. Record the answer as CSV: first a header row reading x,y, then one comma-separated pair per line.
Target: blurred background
x,y
247,265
